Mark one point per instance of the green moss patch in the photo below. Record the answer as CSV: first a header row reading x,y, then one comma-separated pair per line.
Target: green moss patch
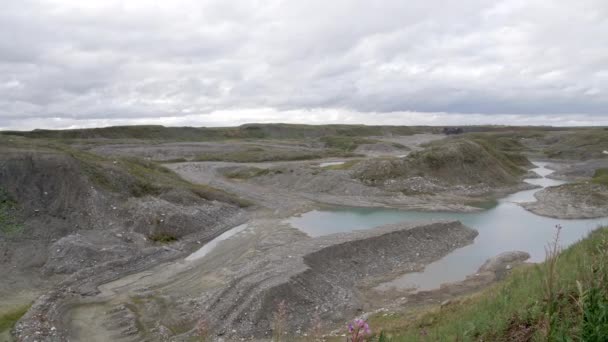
x,y
9,318
162,238
601,176
9,214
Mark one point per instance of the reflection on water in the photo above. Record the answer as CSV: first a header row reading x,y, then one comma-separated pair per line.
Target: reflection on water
x,y
209,246
331,163
505,227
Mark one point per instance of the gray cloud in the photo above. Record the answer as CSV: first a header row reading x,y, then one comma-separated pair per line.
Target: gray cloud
x,y
81,63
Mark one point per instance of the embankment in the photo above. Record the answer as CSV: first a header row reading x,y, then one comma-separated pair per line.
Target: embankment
x,y
321,275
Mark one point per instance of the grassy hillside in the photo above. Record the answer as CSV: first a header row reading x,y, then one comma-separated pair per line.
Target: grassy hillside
x,y
127,176
459,160
345,143
563,299
249,131
580,144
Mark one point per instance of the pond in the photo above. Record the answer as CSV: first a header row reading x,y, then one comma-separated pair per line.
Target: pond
x,y
334,163
504,227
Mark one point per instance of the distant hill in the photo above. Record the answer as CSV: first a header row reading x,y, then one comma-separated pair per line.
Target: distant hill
x,y
248,131
252,131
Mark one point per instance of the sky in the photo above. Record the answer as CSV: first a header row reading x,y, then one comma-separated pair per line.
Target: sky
x,y
75,63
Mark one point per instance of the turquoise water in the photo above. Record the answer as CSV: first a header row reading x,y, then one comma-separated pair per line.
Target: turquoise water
x,y
505,227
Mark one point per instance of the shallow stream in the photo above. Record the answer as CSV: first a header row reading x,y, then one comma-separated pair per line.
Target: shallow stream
x,y
504,227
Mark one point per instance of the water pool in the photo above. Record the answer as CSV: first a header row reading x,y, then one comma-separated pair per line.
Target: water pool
x,y
504,227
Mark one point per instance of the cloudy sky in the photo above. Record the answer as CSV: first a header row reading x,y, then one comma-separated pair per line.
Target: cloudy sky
x,y
75,63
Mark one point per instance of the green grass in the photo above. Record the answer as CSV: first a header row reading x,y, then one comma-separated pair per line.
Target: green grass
x,y
345,143
9,318
246,172
563,299
579,144
9,222
127,175
506,141
257,154
483,203
458,160
249,131
463,160
601,176
142,178
153,179
162,238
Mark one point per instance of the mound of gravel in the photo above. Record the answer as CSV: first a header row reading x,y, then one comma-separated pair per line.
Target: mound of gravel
x,y
322,274
445,164
571,201
65,225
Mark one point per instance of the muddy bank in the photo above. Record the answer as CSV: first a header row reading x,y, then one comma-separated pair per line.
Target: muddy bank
x,y
571,201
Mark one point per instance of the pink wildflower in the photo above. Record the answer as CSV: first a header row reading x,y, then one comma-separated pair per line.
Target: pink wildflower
x,y
359,330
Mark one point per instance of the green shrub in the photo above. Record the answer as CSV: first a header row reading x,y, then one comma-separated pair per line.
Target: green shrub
x,y
162,238
9,222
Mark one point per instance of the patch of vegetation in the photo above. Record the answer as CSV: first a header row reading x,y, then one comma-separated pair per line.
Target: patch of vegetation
x,y
126,175
601,176
483,203
400,146
345,143
249,131
162,238
563,299
153,179
9,222
453,161
10,318
245,172
577,144
173,161
142,178
256,155
506,141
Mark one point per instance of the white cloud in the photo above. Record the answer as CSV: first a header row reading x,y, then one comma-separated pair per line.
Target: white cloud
x,y
89,63
230,117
